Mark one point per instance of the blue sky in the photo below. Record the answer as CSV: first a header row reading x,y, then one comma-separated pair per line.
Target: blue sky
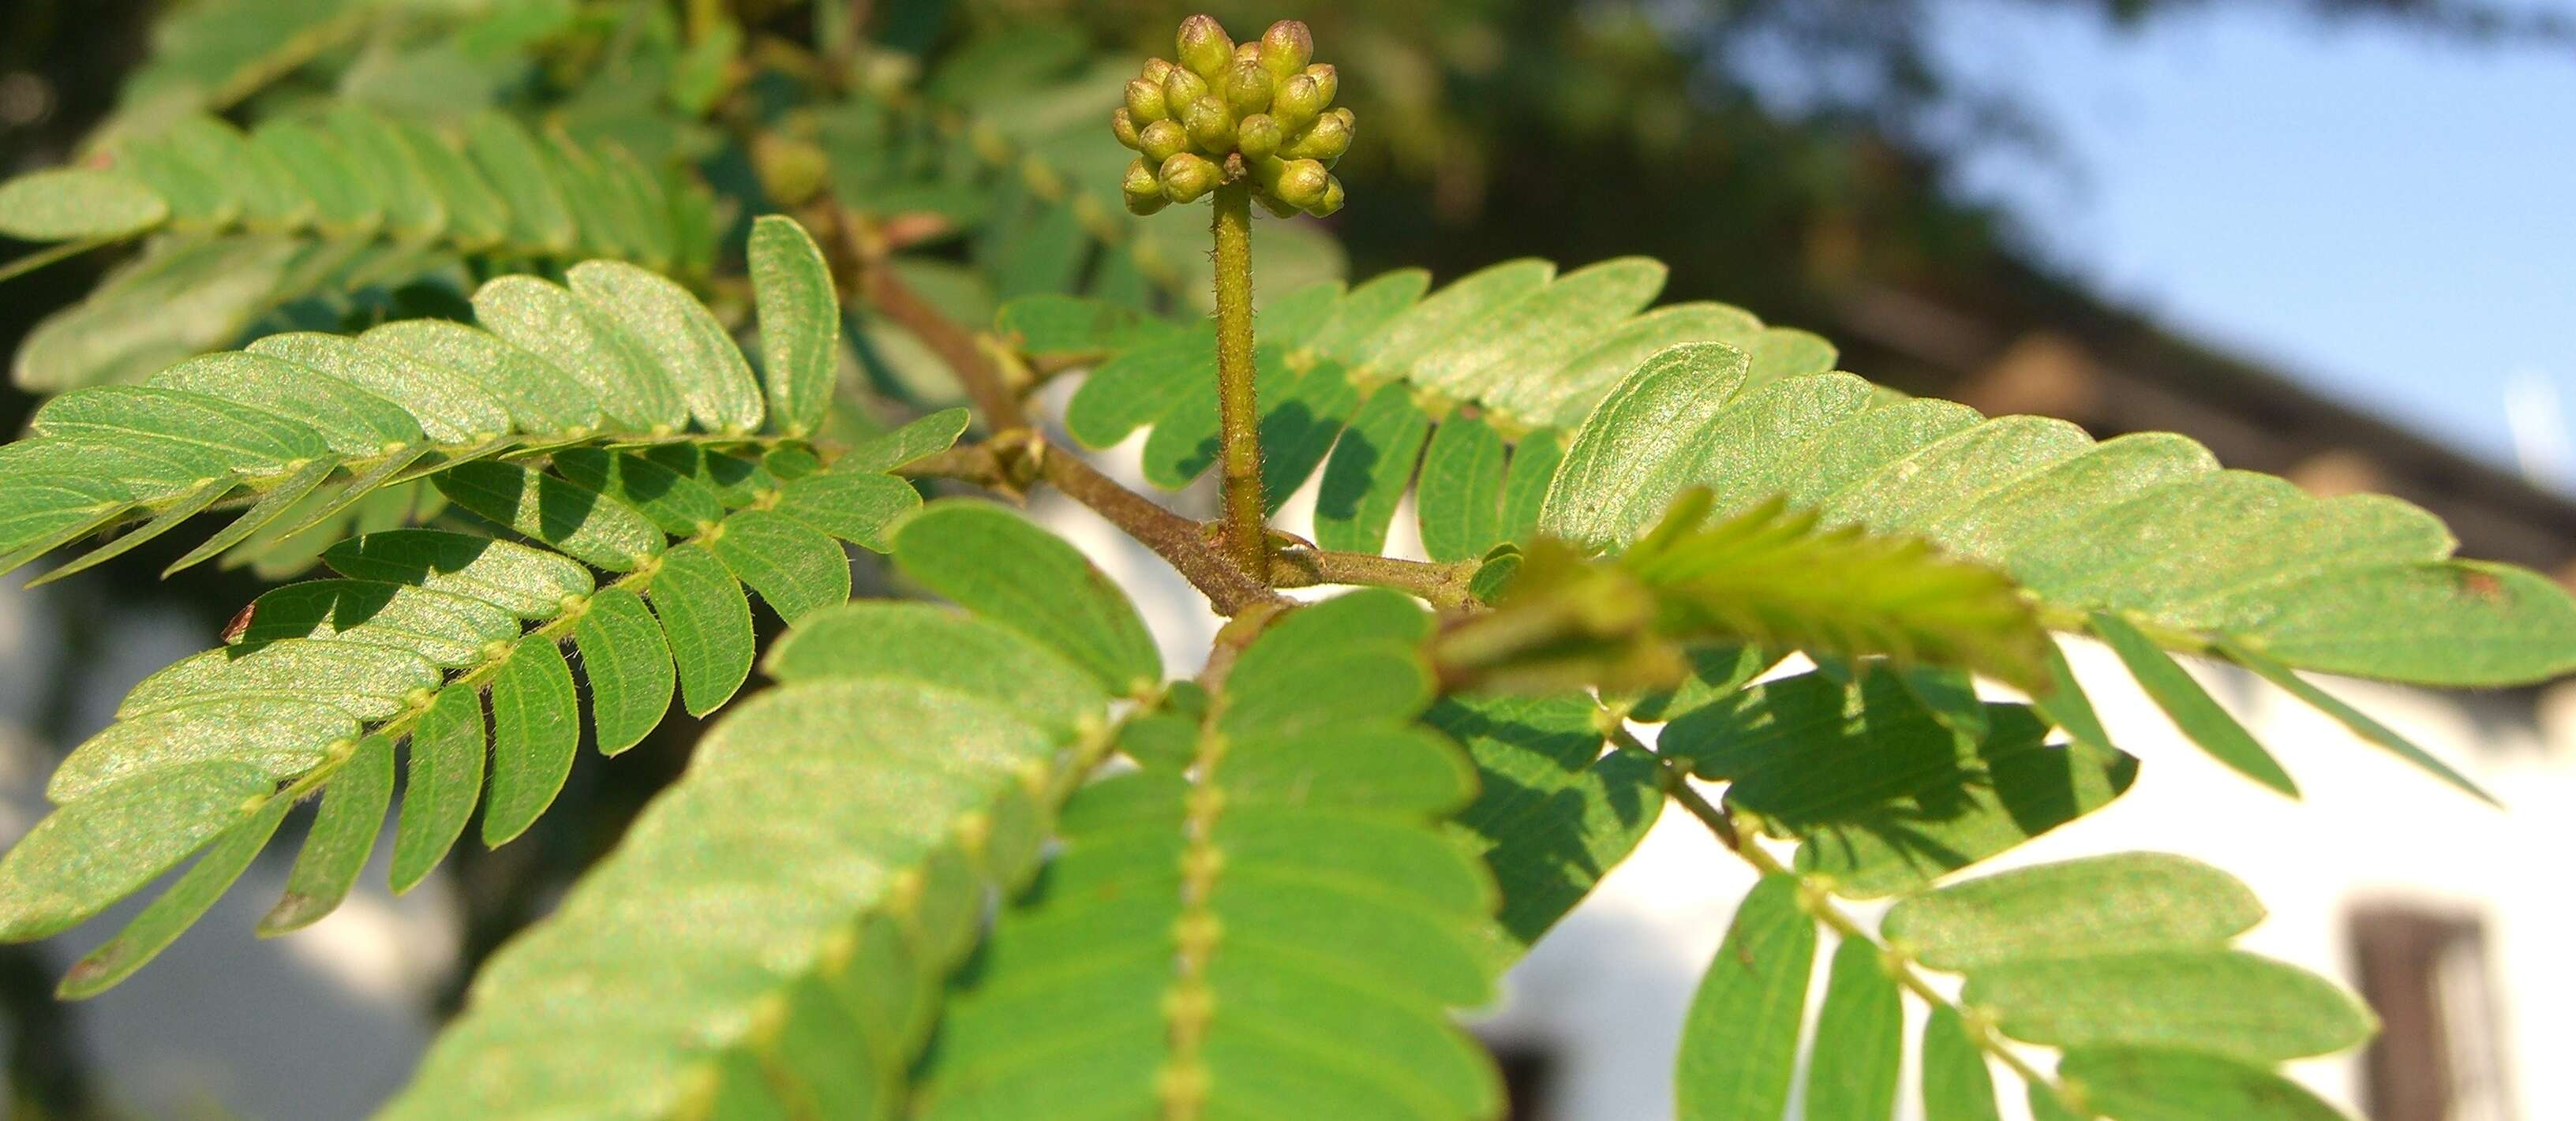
x,y
2386,216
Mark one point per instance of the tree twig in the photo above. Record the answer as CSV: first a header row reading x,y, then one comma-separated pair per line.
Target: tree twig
x,y
1179,541
1444,585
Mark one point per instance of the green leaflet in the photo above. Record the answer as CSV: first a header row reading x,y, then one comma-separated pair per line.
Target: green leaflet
x,y
335,849
2191,707
708,621
99,849
1860,1039
528,583
800,323
536,728
2106,904
2352,718
924,436
538,397
2130,1084
283,737
2210,1001
855,506
366,681
1461,493
681,337
1956,1084
449,407
445,780
1543,329
177,908
953,650
352,421
1632,455
1552,816
572,336
1371,466
217,434
795,568
626,666
1740,1042
676,504
825,870
996,564
579,522
70,204
447,629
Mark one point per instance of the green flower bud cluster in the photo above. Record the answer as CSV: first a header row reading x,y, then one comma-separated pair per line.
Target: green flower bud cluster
x,y
1261,111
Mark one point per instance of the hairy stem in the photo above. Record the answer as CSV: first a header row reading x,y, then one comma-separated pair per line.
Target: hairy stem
x,y
1677,784
1178,540
1444,585
1238,414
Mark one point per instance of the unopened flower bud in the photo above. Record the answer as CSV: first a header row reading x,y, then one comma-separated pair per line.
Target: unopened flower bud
x,y
1276,208
1302,184
1265,173
1204,46
1257,136
1301,99
1180,88
1332,197
1247,52
1122,124
1187,176
1327,78
1211,127
1144,192
1247,88
1286,48
1161,139
1157,69
1145,103
1325,140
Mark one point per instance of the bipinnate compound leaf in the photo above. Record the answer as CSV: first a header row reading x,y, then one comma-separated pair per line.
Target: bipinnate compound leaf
x,y
1166,957
323,209
808,874
324,688
1630,411
1740,1043
303,428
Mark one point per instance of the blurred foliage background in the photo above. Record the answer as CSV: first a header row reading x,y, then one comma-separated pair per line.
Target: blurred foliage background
x,y
1787,156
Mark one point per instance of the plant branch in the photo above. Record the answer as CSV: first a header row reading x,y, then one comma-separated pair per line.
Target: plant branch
x,y
1179,541
1238,412
1676,783
866,272
1444,585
